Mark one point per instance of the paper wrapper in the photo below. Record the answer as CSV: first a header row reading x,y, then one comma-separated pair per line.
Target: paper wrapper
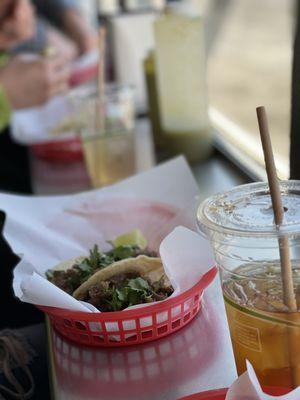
x,y
247,387
48,230
184,265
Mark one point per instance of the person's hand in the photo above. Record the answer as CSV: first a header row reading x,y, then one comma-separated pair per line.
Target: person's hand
x,y
77,28
32,83
17,22
62,46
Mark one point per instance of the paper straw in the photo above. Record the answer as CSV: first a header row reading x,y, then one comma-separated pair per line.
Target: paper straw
x,y
101,68
284,248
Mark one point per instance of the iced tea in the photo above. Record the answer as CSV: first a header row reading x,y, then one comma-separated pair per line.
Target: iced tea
x,y
262,330
110,158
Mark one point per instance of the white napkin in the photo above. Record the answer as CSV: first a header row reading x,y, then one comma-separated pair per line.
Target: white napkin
x,y
247,387
184,254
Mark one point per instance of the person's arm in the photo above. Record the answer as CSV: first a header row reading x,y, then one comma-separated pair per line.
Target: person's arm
x,y
26,83
49,38
65,14
77,28
53,10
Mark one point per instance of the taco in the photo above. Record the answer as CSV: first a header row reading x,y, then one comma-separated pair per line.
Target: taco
x,y
126,275
126,283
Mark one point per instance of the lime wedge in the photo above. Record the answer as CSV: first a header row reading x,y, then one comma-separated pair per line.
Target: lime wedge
x,y
133,238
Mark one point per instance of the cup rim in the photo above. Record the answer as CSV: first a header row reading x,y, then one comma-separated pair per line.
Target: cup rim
x,y
208,226
89,91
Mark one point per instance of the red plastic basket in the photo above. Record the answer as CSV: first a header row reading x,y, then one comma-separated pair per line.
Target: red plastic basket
x,y
220,394
65,151
131,327
85,75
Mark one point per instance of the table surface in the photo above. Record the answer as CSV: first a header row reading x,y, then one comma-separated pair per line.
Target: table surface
x,y
197,358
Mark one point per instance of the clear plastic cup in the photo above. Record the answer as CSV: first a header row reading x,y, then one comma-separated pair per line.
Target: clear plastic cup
x,y
240,226
106,127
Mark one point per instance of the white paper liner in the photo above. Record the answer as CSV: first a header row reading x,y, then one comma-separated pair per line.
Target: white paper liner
x,y
184,254
247,387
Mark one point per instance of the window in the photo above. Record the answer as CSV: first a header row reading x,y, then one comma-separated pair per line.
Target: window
x,y
249,64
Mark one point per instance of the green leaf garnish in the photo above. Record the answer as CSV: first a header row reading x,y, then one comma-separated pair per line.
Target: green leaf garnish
x,y
95,257
123,252
116,303
95,261
135,297
84,266
134,291
139,284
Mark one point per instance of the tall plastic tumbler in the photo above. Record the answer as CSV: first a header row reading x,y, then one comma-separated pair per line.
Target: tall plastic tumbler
x,y
240,226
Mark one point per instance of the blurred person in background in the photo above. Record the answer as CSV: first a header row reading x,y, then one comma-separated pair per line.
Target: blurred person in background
x,y
61,27
65,15
42,27
27,82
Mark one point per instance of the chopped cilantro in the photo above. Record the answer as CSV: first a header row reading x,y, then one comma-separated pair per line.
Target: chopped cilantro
x,y
115,302
95,261
134,291
139,284
95,257
123,252
84,266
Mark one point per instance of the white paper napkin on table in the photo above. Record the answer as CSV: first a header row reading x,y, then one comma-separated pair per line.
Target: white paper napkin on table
x,y
247,387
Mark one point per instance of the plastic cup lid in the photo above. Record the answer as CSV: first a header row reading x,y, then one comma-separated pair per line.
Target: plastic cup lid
x,y
247,211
